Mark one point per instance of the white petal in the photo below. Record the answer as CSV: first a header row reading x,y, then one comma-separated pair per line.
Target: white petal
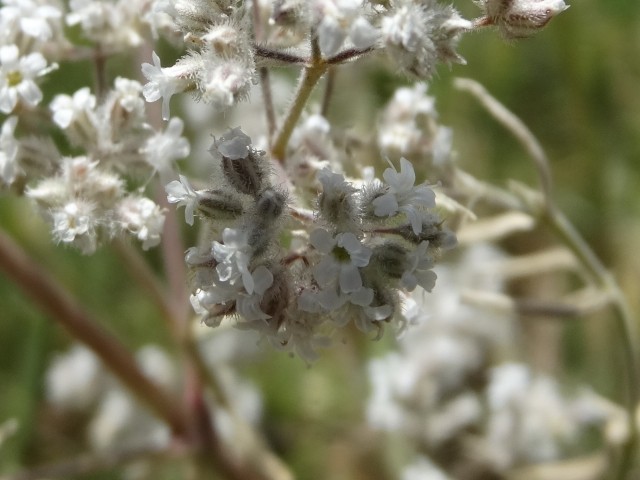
x,y
350,279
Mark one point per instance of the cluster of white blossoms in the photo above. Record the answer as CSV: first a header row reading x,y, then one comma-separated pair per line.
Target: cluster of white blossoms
x,y
78,385
285,256
452,390
85,197
86,188
345,262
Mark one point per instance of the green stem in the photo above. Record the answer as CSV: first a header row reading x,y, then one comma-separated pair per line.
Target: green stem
x,y
310,76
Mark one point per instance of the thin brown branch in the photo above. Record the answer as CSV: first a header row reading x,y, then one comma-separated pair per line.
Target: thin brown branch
x,y
53,299
98,462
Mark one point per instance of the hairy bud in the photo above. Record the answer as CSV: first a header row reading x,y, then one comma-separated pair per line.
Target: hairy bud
x,y
218,205
520,18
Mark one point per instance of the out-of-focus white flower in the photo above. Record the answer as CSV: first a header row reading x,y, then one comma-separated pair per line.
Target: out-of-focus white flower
x,y
423,469
8,151
182,193
66,109
164,82
403,196
143,218
76,223
128,92
33,17
226,81
338,19
417,36
419,269
164,148
17,77
74,379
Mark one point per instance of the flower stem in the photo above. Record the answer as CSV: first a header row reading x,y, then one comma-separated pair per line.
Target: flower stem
x,y
308,80
50,296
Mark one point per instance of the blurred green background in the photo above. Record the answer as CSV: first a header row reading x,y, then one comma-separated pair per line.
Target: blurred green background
x,y
576,85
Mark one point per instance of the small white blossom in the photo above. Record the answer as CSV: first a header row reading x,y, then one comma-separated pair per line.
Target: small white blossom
x,y
74,379
33,18
76,223
233,256
8,151
164,82
129,94
343,255
17,77
338,20
248,304
164,148
225,82
403,196
419,269
143,218
182,193
234,144
66,109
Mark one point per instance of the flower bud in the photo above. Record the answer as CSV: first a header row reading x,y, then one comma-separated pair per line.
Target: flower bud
x,y
242,166
218,205
520,18
390,259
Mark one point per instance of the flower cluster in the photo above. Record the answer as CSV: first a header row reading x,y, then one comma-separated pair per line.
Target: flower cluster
x,y
451,384
345,264
219,68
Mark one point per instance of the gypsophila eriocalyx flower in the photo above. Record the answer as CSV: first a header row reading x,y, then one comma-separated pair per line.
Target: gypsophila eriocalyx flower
x,y
17,77
165,82
233,256
419,271
403,196
67,108
343,255
164,148
182,193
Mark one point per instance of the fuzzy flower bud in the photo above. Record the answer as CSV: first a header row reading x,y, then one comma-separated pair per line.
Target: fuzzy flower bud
x,y
242,166
520,18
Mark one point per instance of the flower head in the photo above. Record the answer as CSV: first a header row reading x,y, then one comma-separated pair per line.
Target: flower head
x,y
403,196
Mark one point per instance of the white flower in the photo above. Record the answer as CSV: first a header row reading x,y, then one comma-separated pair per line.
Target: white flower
x,y
76,223
419,269
33,18
17,75
339,19
224,82
143,218
74,379
67,109
8,151
164,82
248,304
182,193
129,94
234,145
423,469
163,148
403,197
343,256
233,256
